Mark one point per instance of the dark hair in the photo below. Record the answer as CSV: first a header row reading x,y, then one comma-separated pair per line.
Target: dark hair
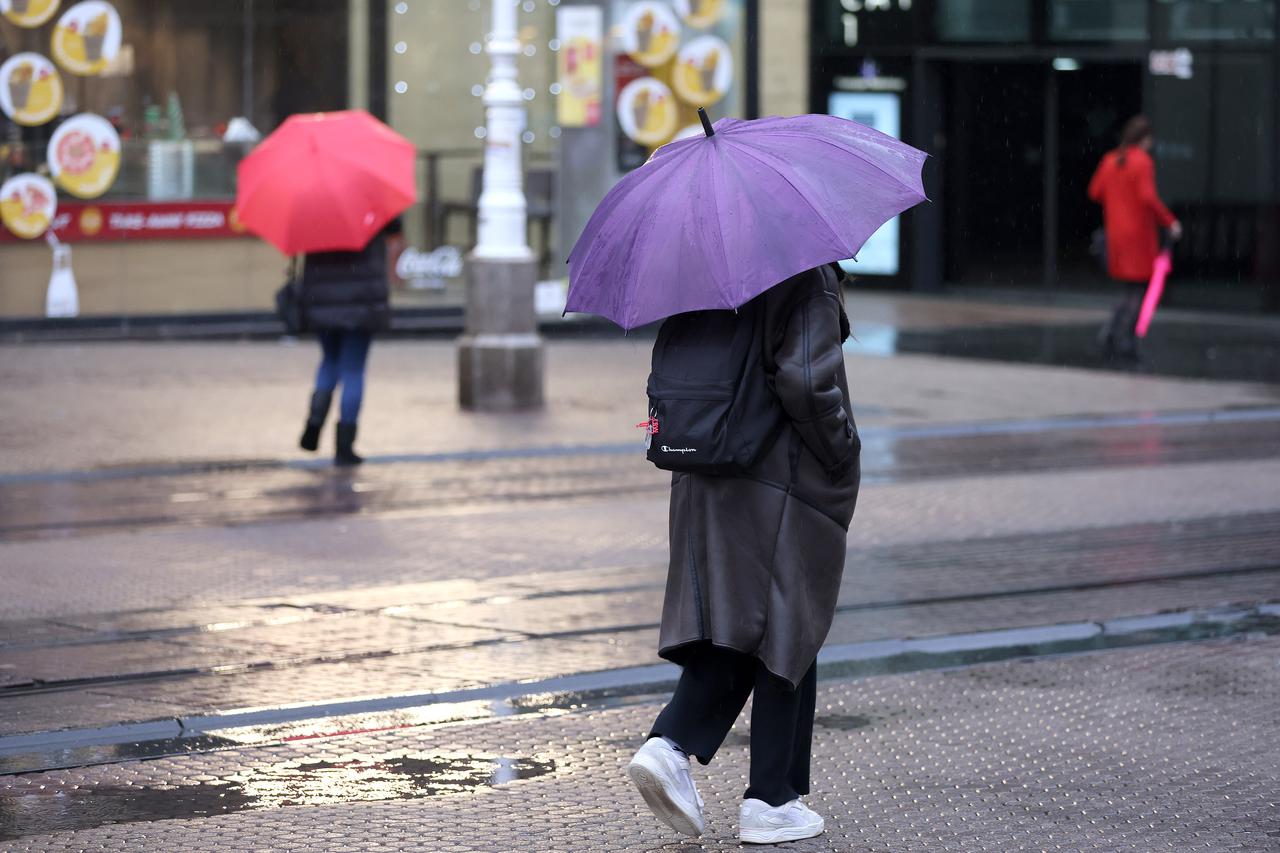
x,y
1135,131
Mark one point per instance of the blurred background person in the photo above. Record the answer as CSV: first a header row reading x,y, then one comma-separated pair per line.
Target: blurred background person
x,y
345,302
1125,185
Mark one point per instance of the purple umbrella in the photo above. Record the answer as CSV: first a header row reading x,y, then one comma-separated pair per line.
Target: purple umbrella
x,y
713,221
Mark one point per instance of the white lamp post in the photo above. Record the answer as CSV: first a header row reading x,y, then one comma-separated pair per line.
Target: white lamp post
x,y
500,353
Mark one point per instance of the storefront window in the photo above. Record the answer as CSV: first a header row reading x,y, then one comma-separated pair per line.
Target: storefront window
x,y
187,80
436,72
669,59
1098,20
983,20
1225,20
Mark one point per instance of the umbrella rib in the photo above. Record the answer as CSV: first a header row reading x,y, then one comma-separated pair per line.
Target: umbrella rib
x,y
715,201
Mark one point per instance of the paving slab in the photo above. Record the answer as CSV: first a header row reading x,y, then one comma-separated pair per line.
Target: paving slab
x,y
1175,747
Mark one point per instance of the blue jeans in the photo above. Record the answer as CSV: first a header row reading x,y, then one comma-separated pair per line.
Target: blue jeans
x,y
344,358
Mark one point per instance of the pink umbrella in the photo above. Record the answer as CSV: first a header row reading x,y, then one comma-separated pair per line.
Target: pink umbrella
x,y
1159,272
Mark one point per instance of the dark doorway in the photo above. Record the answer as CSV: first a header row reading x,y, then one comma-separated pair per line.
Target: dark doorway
x,y
1093,103
994,173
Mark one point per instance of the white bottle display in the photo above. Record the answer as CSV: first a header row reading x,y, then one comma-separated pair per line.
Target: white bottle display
x,y
62,299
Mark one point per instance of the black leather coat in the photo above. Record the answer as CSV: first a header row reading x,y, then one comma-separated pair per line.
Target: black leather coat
x,y
756,560
347,291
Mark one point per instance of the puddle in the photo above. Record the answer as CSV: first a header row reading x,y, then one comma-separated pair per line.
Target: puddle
x,y
298,782
842,722
1193,350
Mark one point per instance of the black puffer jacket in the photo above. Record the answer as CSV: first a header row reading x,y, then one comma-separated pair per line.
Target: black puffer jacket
x,y
347,291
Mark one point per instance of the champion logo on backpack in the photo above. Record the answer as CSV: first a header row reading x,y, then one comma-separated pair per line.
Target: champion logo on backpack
x,y
666,449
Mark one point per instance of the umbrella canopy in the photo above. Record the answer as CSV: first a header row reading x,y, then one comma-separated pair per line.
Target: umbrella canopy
x,y
713,221
326,182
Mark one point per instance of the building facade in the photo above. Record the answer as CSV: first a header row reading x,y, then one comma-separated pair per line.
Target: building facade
x,y
187,80
1018,99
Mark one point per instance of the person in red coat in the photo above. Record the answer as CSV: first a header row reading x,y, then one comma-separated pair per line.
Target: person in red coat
x,y
1125,185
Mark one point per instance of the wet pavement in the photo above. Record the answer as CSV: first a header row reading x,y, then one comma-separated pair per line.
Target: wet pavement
x,y
1081,753
1199,350
208,642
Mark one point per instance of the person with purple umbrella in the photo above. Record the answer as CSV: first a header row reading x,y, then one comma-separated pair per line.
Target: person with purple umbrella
x,y
732,238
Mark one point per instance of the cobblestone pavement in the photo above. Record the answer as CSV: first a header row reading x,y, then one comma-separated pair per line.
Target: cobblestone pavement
x,y
1084,753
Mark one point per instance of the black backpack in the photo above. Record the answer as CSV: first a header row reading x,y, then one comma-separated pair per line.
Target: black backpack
x,y
712,409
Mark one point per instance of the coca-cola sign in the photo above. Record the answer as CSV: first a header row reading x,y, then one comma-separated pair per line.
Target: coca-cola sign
x,y
428,270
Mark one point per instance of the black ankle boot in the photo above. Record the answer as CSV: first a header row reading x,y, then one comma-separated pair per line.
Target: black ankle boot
x,y
346,437
315,420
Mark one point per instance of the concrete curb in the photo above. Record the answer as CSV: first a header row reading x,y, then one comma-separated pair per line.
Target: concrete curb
x,y
45,750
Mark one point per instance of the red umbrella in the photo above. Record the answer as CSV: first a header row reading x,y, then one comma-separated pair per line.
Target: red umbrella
x,y
326,182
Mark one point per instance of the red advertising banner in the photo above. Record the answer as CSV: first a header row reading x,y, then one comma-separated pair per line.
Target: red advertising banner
x,y
77,222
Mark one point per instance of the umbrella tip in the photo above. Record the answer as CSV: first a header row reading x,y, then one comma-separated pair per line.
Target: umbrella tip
x,y
706,122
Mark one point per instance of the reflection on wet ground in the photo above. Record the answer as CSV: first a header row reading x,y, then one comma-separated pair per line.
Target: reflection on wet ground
x,y
1202,350
57,505
296,782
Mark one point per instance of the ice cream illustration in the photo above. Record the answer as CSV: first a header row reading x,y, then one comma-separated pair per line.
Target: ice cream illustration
x,y
84,155
704,74
28,203
95,33
644,31
20,80
640,108
646,111
87,37
708,70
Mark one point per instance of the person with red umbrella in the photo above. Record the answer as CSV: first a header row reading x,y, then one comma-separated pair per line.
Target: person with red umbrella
x,y
1125,185
330,186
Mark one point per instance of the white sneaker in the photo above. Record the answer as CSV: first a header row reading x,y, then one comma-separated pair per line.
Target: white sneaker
x,y
662,776
761,823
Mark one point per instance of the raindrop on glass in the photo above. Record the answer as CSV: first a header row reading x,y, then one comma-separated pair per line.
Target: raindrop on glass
x,y
477,90
481,133
529,94
401,8
528,136
530,50
555,88
554,133
553,45
528,5
476,47
401,47
401,87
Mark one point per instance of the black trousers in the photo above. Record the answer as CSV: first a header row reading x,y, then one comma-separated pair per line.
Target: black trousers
x,y
1121,335
711,693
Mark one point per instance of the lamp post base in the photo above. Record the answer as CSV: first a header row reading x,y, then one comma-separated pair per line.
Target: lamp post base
x,y
500,357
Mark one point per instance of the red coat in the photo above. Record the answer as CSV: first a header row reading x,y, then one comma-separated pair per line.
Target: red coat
x,y
1131,211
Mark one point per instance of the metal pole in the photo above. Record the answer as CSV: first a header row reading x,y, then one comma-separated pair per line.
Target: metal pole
x,y
1050,181
503,233
500,353
246,67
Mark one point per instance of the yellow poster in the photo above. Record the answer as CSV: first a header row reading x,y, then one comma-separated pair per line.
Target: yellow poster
x,y
84,155
650,33
704,71
87,37
647,111
28,203
700,13
580,66
30,89
29,13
